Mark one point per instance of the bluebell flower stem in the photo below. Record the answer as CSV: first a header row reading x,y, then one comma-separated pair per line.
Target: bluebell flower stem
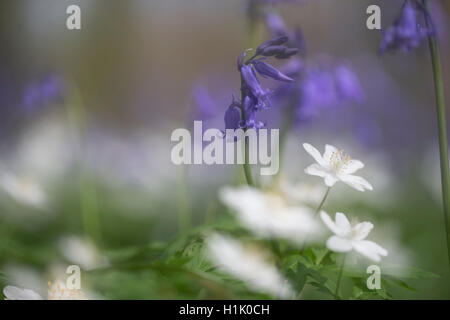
x,y
338,283
442,125
247,168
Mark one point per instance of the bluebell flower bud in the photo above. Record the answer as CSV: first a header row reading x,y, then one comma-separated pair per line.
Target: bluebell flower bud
x,y
267,71
270,43
287,53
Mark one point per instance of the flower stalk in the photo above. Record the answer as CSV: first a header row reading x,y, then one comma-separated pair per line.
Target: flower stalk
x,y
442,125
247,168
316,213
338,283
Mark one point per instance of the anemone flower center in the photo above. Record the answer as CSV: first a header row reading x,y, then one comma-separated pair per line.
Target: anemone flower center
x,y
339,160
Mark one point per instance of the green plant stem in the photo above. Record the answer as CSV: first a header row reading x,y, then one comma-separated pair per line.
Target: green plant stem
x,y
286,126
338,283
442,125
76,114
317,212
247,168
184,211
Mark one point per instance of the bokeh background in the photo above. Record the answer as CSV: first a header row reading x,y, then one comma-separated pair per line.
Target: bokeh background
x,y
86,118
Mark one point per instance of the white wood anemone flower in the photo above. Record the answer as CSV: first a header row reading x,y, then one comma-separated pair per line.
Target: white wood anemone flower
x,y
56,291
248,265
24,190
347,237
269,215
82,252
334,165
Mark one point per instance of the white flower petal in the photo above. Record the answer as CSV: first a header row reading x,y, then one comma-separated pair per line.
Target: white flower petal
x,y
329,150
362,230
314,153
352,166
369,249
248,265
356,182
316,170
15,293
330,223
330,180
342,222
338,244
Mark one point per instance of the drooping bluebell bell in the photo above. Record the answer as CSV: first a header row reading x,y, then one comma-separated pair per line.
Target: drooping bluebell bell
x,y
233,115
408,31
267,71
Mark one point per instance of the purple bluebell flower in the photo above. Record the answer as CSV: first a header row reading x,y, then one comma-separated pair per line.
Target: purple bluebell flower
x,y
250,111
233,115
319,88
348,85
408,31
252,86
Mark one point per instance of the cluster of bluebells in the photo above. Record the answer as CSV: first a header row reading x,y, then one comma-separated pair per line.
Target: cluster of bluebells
x,y
241,114
317,87
409,30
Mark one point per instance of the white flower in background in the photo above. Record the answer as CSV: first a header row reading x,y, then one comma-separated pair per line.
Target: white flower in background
x,y
347,237
335,166
82,252
269,215
247,265
24,190
56,291
303,193
15,293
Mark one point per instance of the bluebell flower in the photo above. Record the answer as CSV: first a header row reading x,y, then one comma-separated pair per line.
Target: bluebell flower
x,y
408,31
250,111
233,116
252,87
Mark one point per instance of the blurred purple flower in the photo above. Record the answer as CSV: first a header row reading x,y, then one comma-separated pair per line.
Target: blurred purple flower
x,y
205,108
348,85
277,27
42,93
319,88
408,30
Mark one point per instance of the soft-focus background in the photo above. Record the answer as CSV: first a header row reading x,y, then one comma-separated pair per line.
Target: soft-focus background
x,y
86,118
